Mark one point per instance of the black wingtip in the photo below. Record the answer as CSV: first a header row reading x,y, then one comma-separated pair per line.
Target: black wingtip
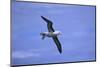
x,y
60,51
47,20
42,17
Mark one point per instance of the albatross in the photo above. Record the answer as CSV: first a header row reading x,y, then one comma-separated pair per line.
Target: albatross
x,y
51,33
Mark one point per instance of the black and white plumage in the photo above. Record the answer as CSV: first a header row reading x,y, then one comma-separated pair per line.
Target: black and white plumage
x,y
52,33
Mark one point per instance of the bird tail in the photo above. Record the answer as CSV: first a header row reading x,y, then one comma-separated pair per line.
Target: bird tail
x,y
43,35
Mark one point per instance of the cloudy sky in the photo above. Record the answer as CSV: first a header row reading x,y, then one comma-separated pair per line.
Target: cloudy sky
x,y
76,23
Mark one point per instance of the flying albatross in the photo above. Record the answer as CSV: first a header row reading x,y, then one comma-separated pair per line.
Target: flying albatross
x,y
51,33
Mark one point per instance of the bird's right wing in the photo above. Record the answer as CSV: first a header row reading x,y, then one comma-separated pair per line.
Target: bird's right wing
x,y
49,24
57,44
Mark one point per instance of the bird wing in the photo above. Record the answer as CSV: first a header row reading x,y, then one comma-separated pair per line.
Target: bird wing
x,y
49,24
57,43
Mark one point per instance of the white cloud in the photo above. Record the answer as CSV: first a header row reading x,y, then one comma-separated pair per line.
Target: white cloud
x,y
32,53
38,50
24,54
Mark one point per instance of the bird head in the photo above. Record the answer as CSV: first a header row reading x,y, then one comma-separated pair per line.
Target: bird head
x,y
57,32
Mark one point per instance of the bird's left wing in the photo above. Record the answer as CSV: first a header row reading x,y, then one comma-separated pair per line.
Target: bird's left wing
x,y
49,24
58,44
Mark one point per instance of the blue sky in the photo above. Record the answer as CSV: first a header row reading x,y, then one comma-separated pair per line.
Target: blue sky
x,y
76,23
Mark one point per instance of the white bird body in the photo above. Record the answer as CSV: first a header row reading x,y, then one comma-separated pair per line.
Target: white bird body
x,y
50,34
